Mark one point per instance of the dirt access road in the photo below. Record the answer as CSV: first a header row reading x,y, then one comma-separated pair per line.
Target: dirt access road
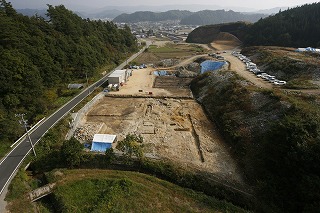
x,y
237,65
240,68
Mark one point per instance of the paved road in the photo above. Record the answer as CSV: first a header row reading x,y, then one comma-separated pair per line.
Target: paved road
x,y
12,161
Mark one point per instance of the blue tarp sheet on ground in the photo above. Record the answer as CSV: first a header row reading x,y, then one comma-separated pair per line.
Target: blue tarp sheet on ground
x,y
100,147
211,65
162,73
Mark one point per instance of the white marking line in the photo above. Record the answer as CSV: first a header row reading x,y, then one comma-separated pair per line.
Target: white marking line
x,y
24,135
4,186
20,140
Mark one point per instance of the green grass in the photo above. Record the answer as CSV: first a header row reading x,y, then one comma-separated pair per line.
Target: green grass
x,y
174,48
164,49
120,191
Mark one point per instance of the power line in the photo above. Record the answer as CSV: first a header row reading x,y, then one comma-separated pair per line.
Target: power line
x,y
24,123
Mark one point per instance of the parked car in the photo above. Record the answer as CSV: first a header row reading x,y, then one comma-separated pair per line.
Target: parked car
x,y
278,82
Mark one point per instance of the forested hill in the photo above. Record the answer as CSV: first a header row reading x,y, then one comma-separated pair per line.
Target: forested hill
x,y
298,27
141,16
39,58
207,34
189,18
207,17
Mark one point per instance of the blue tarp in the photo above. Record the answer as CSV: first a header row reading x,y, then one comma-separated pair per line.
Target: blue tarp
x,y
162,73
211,65
100,147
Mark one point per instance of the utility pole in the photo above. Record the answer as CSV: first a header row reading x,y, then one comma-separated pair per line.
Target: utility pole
x,y
24,123
87,82
126,64
87,79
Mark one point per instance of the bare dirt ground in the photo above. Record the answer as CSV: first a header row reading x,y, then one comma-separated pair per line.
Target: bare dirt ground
x,y
142,81
223,45
174,127
240,68
226,41
237,65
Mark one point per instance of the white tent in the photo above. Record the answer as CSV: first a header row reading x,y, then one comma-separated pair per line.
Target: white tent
x,y
102,142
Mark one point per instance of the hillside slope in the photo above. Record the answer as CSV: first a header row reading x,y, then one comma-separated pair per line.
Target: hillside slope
x,y
40,58
120,191
273,134
298,27
299,69
207,34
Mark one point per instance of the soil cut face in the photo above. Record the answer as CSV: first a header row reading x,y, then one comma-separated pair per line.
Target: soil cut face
x,y
225,41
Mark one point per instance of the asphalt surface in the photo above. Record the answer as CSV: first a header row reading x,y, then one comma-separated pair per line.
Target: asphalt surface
x,y
11,162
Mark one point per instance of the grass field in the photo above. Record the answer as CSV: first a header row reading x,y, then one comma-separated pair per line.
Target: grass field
x,y
120,191
156,53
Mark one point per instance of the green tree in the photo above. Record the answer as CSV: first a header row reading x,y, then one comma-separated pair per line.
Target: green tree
x,y
110,156
39,56
71,152
131,146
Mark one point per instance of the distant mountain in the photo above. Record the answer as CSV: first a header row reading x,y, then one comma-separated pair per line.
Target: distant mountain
x,y
163,8
272,10
203,17
207,17
41,13
32,12
152,16
105,14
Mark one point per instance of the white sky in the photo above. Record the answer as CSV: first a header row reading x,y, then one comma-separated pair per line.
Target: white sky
x,y
255,4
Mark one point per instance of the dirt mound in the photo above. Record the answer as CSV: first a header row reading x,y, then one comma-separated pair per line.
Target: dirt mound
x,y
224,36
225,41
209,33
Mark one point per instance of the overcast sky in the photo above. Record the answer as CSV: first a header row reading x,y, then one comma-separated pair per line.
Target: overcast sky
x,y
72,4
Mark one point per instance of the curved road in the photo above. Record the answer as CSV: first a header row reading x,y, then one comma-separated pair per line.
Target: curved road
x,y
11,162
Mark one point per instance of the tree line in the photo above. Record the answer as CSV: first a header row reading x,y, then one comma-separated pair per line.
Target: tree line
x,y
297,27
39,57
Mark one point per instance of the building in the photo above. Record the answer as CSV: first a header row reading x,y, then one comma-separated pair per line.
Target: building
x,y
75,86
119,76
102,142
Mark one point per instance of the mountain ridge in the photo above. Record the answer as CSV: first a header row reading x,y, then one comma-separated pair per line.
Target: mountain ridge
x,y
189,18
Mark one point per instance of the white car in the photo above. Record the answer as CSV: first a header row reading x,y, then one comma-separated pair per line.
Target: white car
x,y
278,82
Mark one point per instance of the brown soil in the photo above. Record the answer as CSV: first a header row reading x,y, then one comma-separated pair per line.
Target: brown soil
x,y
173,125
239,67
225,41
174,129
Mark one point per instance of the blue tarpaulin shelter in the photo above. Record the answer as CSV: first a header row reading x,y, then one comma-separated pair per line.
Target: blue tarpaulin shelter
x,y
211,65
102,142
